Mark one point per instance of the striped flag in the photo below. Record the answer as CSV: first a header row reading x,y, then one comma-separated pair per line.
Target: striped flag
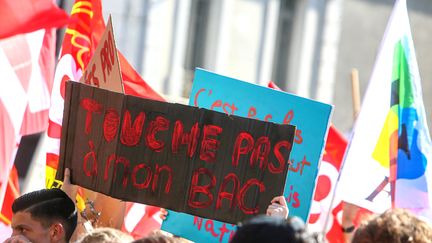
x,y
388,162
141,219
27,64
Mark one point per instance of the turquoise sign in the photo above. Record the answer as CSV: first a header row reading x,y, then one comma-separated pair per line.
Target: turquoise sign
x,y
231,96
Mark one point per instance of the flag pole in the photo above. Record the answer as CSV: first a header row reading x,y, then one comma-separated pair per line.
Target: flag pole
x,y
355,92
349,210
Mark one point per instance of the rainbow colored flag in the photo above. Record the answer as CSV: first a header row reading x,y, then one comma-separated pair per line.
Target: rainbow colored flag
x,y
388,162
413,143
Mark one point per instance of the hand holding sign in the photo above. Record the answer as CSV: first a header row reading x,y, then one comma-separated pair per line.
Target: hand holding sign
x,y
278,207
67,186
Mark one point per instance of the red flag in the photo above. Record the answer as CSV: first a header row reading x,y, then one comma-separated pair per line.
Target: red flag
x,y
80,42
18,17
141,219
12,192
134,84
27,64
327,177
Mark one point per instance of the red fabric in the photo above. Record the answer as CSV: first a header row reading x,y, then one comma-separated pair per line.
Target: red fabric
x,y
52,160
133,83
17,50
24,16
334,152
273,86
145,218
54,130
84,32
12,192
80,42
7,144
35,122
93,28
335,147
20,51
16,19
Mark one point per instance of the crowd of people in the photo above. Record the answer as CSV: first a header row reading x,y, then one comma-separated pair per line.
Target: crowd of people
x,y
50,215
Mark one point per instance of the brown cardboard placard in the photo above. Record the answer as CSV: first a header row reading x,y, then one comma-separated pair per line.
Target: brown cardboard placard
x,y
179,157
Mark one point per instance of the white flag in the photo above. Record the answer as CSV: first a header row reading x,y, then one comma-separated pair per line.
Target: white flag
x,y
389,155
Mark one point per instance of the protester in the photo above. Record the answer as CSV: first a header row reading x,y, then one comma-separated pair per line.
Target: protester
x,y
394,225
263,228
159,237
47,215
105,235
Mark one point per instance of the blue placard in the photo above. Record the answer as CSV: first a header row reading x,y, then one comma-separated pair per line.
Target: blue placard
x,y
235,97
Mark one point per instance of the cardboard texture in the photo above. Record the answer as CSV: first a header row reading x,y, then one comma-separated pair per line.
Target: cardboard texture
x,y
179,157
103,70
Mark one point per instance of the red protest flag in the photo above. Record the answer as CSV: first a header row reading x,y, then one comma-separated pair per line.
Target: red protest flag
x,y
27,62
134,84
81,38
140,219
12,192
19,17
323,206
80,42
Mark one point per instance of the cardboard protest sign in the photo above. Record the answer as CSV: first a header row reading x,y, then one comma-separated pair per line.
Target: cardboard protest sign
x,y
103,70
235,97
179,157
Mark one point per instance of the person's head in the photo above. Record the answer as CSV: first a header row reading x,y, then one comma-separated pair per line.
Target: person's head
x,y
395,225
159,237
105,235
47,215
264,228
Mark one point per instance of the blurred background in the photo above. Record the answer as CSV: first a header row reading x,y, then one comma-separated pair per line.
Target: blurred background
x,y
307,47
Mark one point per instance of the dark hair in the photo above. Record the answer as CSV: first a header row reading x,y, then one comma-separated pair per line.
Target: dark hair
x,y
48,206
264,228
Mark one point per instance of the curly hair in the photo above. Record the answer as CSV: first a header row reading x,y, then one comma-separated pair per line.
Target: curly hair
x,y
394,225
